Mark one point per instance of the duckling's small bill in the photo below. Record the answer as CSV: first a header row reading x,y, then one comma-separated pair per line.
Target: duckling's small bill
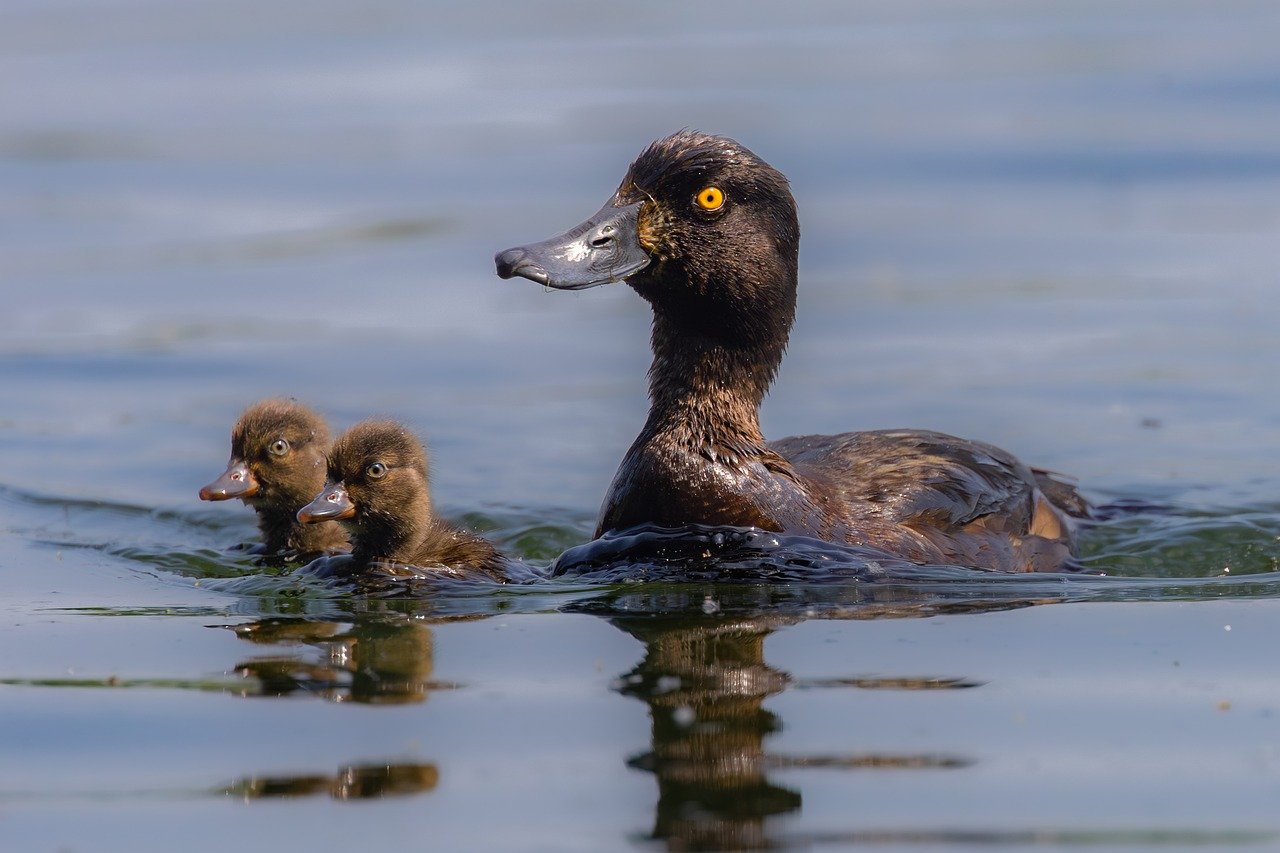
x,y
235,482
606,248
331,504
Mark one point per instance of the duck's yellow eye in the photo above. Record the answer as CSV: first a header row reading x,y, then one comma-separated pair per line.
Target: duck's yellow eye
x,y
710,198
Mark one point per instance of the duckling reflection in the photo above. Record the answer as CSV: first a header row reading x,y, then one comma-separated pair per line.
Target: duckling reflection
x,y
705,682
358,782
377,659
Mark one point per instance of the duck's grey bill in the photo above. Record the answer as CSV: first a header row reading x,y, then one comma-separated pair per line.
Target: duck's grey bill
x,y
603,249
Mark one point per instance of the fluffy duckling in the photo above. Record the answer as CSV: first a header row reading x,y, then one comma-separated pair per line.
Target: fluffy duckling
x,y
378,486
707,233
277,465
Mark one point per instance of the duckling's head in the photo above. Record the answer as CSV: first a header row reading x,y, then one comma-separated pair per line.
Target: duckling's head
x,y
700,226
277,457
377,478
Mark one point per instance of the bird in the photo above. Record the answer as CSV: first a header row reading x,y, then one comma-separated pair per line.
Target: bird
x,y
277,465
708,234
378,486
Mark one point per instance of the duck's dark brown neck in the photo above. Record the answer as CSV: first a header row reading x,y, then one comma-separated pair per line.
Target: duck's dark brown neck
x,y
706,385
721,319
701,458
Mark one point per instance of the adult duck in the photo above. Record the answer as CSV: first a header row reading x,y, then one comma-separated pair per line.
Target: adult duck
x,y
707,233
277,465
378,485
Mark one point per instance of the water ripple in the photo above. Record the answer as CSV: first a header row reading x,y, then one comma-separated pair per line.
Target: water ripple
x,y
1148,552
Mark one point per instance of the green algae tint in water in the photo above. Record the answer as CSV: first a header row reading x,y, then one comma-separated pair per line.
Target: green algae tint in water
x,y
1052,228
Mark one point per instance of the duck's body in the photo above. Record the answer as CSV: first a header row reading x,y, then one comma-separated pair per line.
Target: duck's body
x,y
707,233
378,485
924,496
277,464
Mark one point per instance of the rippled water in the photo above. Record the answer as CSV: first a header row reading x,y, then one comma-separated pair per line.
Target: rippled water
x,y
1050,226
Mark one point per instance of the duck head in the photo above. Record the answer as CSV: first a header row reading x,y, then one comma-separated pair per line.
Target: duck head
x,y
377,483
700,226
277,457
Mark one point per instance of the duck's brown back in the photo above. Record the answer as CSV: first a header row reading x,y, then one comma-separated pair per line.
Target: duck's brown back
x,y
936,498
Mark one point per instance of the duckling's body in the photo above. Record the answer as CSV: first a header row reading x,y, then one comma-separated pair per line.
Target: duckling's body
x,y
277,465
707,233
378,485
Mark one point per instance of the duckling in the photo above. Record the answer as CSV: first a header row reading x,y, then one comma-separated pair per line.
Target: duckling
x,y
707,233
277,464
378,485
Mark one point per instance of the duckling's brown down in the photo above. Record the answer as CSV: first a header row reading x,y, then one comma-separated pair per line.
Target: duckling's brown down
x,y
278,464
378,485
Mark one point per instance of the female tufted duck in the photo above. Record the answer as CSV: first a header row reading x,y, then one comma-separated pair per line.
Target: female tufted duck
x,y
378,485
707,233
277,465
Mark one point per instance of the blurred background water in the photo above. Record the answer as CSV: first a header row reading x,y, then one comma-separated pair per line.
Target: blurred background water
x,y
1051,226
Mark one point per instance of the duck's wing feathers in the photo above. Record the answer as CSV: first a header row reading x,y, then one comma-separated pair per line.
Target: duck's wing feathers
x,y
913,477
1061,491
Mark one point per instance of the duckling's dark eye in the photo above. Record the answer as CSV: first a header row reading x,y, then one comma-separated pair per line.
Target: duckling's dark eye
x,y
710,198
279,447
376,471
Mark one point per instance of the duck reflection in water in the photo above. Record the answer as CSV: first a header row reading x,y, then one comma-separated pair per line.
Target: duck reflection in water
x,y
705,681
357,782
381,658
705,687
